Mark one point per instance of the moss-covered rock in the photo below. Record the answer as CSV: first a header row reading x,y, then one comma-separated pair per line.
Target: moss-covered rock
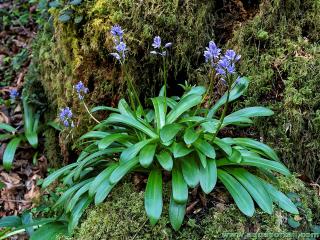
x,y
123,216
281,55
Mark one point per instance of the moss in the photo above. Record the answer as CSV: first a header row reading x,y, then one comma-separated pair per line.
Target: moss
x,y
123,216
284,65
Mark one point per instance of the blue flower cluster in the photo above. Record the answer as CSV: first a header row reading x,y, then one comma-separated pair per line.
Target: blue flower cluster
x,y
159,50
14,94
121,47
224,65
81,90
66,117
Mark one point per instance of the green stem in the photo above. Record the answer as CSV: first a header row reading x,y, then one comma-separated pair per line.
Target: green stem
x,y
222,115
85,106
165,82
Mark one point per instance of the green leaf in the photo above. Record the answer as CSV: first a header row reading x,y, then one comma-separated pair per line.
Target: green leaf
x,y
223,145
160,110
247,142
280,199
10,221
75,198
7,127
6,136
104,108
165,160
168,132
205,148
208,175
64,18
9,152
176,213
238,121
125,109
147,154
190,171
293,223
202,158
238,193
235,156
252,112
109,139
132,122
237,90
53,176
180,150
77,212
78,19
198,90
50,231
75,2
133,150
103,191
32,138
183,105
255,187
190,136
153,196
94,134
179,186
55,125
210,126
122,170
105,174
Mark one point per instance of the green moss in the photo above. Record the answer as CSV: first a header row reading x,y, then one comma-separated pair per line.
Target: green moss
x,y
123,216
284,69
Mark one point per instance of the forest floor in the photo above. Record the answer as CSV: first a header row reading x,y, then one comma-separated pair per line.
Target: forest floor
x,y
19,189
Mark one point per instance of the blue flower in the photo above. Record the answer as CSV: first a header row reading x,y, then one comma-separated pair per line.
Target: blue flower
x,y
232,56
66,117
117,31
81,90
212,52
14,94
225,66
156,42
121,51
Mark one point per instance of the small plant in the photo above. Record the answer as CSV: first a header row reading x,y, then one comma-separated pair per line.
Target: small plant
x,y
178,137
67,10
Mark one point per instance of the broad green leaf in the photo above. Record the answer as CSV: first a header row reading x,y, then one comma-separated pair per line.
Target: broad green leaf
x,y
32,138
176,213
210,126
238,193
115,118
293,223
190,136
9,152
183,105
75,198
165,160
7,127
258,162
247,142
67,194
10,221
251,112
179,186
223,145
280,199
159,105
122,170
198,90
202,158
133,150
153,196
190,171
109,139
255,187
169,131
64,18
105,174
180,150
53,176
205,148
6,136
237,90
147,154
103,191
208,175
55,125
104,108
125,109
77,212
50,231
238,121
235,156
94,134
